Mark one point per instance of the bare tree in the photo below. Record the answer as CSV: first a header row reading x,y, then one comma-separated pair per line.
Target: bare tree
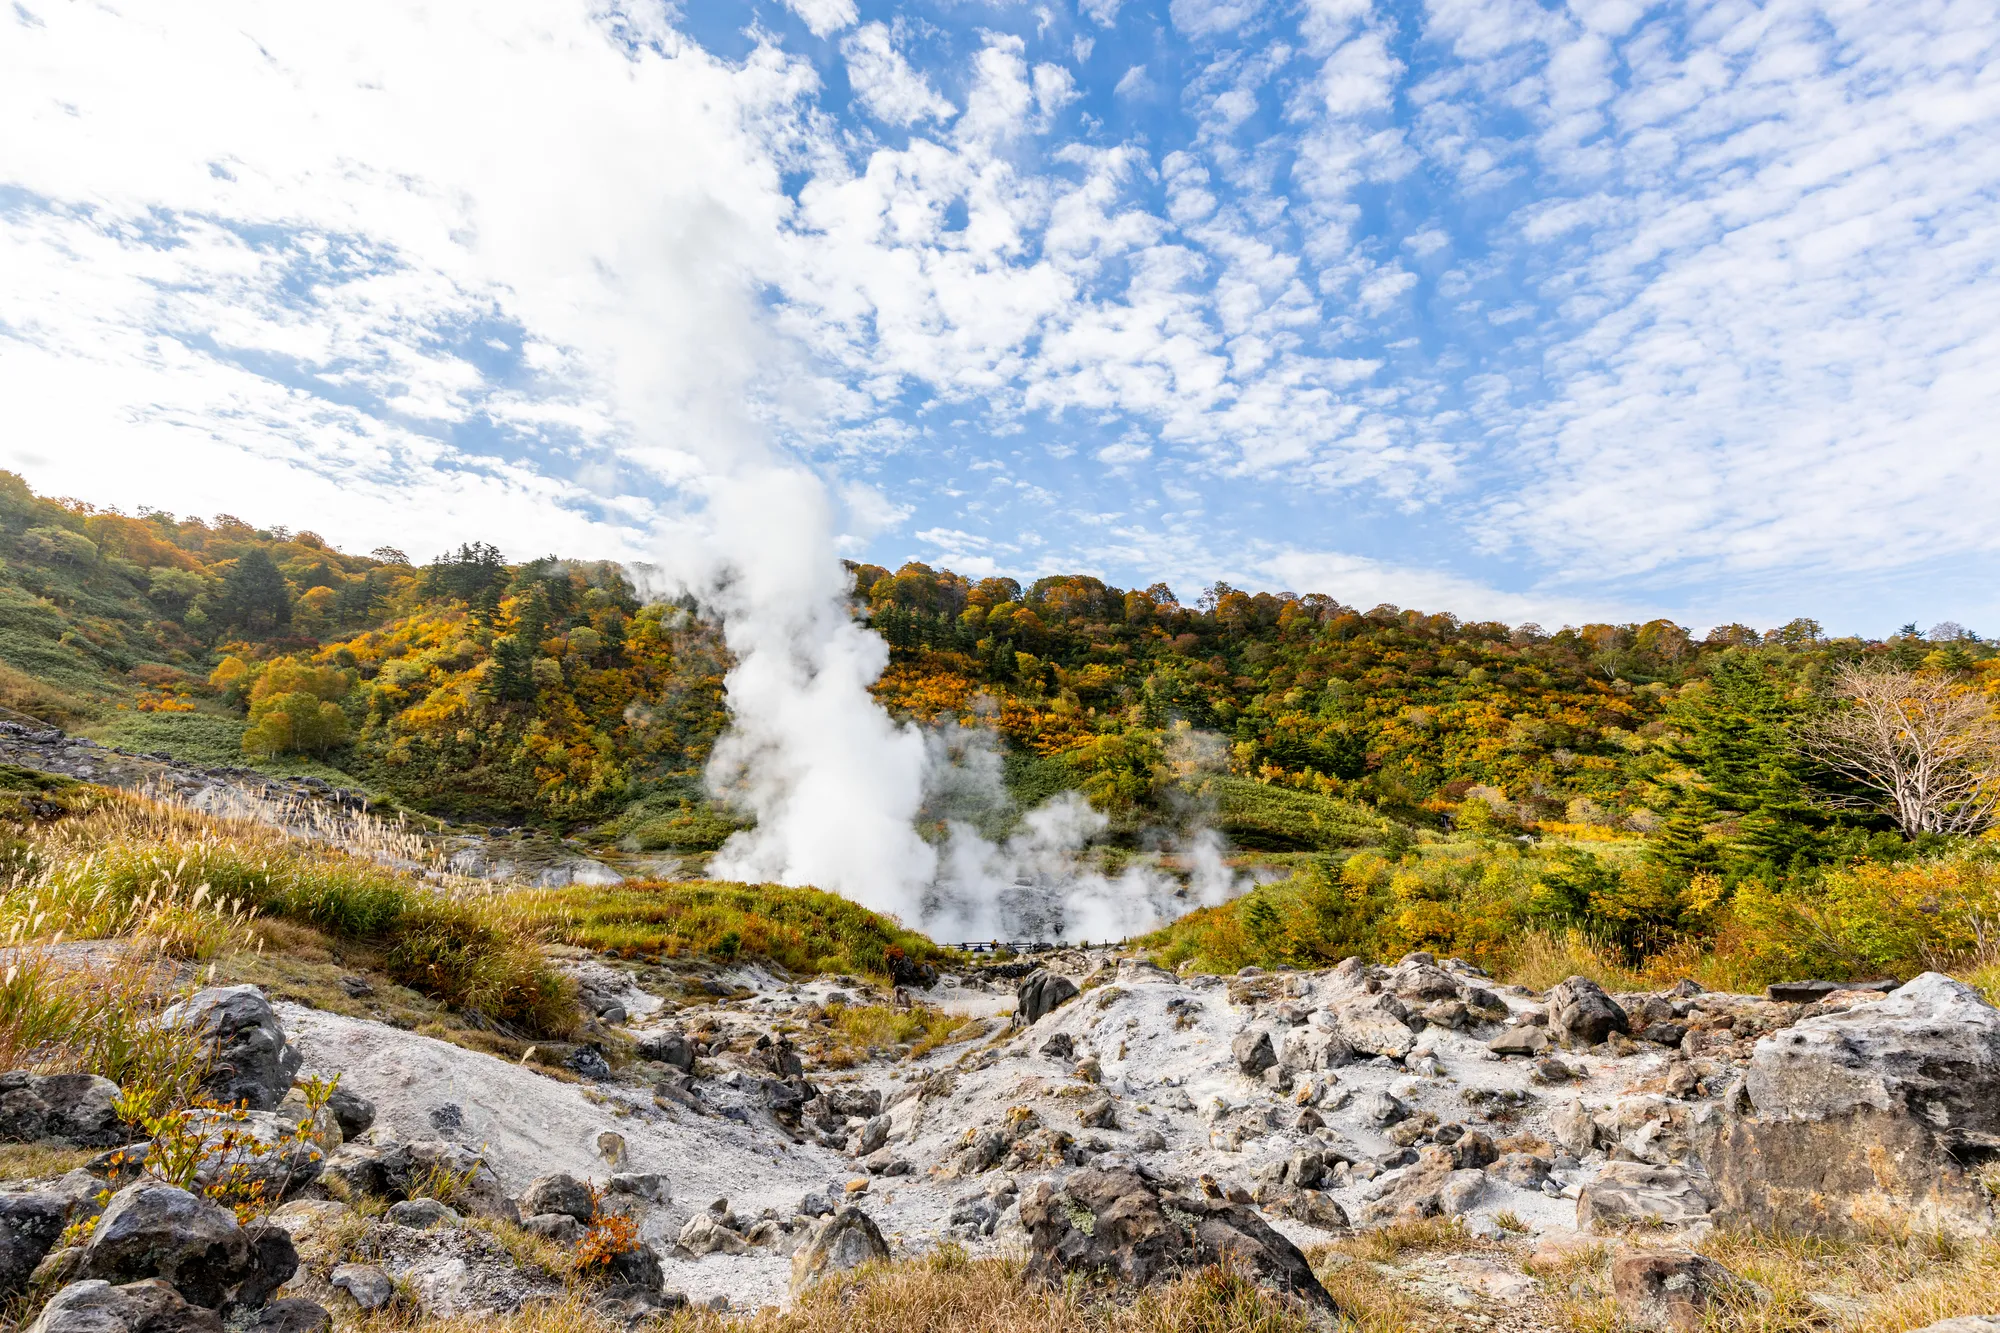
x,y
1925,745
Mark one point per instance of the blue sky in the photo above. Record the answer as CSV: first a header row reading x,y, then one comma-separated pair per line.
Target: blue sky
x,y
1522,310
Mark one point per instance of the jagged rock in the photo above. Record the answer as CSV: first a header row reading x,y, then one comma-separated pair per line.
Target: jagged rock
x,y
1309,1049
30,1225
73,1108
1041,993
259,1147
1878,1114
1460,1191
1378,1024
633,1305
151,1229
872,1135
1805,992
1473,1150
1669,1033
638,1266
354,1113
147,1306
1311,1207
846,1102
1523,1170
1119,1224
558,1227
367,1285
421,1214
1059,1046
704,1234
1434,1184
392,1170
254,1064
1525,1040
846,1240
294,1314
1416,978
1581,1014
669,1046
273,1262
647,1185
1383,1108
1098,1113
1668,1291
557,1193
588,1062
1628,1193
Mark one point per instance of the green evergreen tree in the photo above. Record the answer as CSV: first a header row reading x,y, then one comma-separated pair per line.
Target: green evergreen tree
x,y
254,595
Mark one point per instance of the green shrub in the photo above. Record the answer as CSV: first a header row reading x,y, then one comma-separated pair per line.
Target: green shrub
x,y
802,930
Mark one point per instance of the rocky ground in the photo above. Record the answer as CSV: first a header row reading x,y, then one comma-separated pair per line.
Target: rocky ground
x,y
1297,1108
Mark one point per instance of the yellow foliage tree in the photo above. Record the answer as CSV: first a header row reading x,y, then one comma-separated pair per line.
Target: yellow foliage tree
x,y
294,723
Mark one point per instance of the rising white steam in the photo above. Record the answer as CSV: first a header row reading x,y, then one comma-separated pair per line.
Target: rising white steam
x,y
595,195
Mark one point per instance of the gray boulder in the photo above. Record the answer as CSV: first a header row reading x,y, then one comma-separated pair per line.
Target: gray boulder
x,y
1628,1194
393,1170
669,1046
637,1267
844,1241
254,1064
557,1193
1253,1051
1581,1014
74,1108
1967,1323
151,1229
845,1102
354,1113
367,1285
1041,993
30,1224
148,1306
421,1214
1310,1049
1524,1040
1880,1114
1669,1291
294,1314
1377,1024
1120,1225
558,1227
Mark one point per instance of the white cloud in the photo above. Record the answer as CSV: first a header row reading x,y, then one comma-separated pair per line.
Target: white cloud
x,y
1202,18
278,336
885,83
1134,83
824,16
1363,583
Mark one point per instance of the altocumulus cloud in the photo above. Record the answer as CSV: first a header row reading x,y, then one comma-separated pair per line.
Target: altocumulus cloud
x,y
1520,309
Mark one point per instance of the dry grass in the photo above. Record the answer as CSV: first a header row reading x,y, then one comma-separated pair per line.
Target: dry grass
x,y
859,1031
948,1291
39,1161
136,868
1806,1284
76,1015
1542,958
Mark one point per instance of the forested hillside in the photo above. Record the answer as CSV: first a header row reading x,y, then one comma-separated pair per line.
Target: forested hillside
x,y
1619,780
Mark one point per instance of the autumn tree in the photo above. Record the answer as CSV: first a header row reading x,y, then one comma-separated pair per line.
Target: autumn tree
x,y
1924,747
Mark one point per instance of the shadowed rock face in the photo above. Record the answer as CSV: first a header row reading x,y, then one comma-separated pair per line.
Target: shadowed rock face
x,y
254,1063
1041,993
1881,1114
1117,1223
